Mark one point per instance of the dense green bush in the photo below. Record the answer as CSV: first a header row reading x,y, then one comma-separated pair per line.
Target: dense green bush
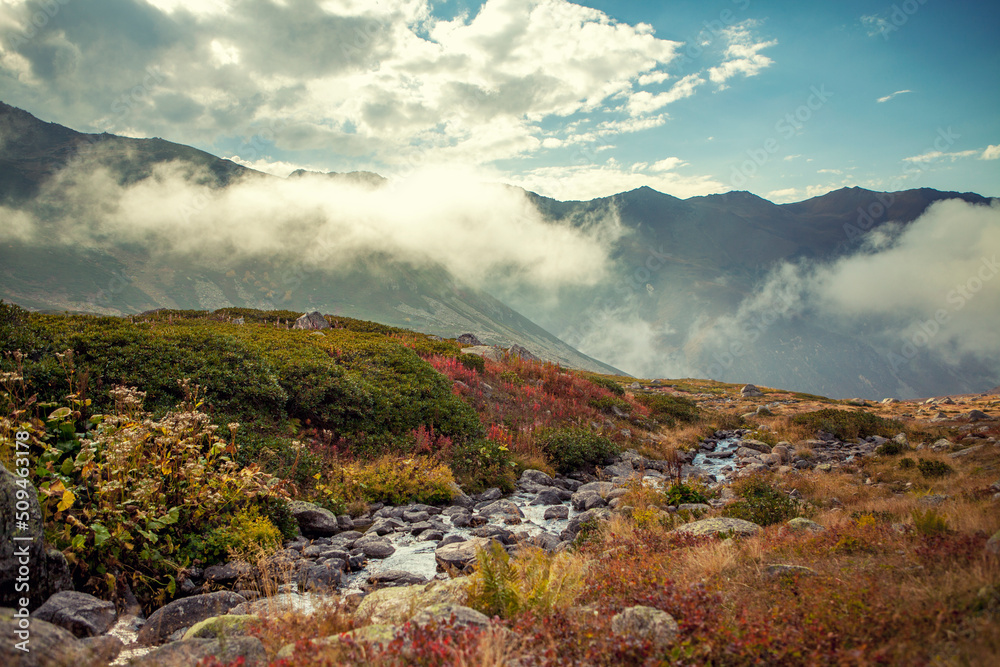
x,y
575,448
760,503
891,448
932,468
679,494
482,464
668,409
607,404
849,424
473,362
607,383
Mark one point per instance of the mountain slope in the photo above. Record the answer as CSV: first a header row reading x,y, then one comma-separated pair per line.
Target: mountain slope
x,y
117,277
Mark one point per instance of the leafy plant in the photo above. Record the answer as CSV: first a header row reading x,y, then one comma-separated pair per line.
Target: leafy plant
x,y
575,448
530,581
668,409
760,502
607,383
848,424
891,448
680,493
929,522
932,468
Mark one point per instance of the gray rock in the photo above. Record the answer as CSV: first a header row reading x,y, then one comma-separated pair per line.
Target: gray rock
x,y
489,495
395,578
717,525
451,539
519,351
226,573
460,555
49,570
751,391
757,445
80,613
321,577
469,340
312,321
376,548
189,652
965,452
556,512
801,524
537,477
184,613
547,498
780,570
49,645
445,611
588,500
648,623
976,416
498,533
504,507
313,520
603,488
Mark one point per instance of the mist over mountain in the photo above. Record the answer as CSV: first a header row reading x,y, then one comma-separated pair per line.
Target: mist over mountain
x,y
853,293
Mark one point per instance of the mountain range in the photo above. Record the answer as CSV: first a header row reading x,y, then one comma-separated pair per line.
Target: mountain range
x,y
688,287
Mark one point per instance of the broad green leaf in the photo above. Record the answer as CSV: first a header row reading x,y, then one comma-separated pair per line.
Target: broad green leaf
x,y
66,467
172,586
101,534
61,413
148,535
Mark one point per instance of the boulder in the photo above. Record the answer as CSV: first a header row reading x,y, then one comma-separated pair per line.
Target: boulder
x,y
184,613
756,445
460,555
80,613
49,570
313,520
780,570
519,351
313,321
550,497
189,652
280,604
588,500
750,391
230,625
48,645
537,477
976,416
399,604
469,340
504,507
647,623
444,611
395,578
804,525
603,488
379,547
556,512
321,577
717,525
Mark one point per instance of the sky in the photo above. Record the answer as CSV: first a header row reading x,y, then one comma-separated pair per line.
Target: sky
x,y
573,100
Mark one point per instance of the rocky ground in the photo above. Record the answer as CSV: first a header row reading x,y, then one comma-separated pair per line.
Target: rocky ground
x,y
395,562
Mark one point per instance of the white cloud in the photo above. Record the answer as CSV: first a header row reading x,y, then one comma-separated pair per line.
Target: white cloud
x,y
644,102
991,153
892,95
931,156
790,195
742,53
591,181
876,25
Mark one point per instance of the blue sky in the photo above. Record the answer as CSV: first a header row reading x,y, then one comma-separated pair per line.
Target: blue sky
x,y
573,100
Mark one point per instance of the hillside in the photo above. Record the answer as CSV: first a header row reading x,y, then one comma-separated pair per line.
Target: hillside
x,y
190,464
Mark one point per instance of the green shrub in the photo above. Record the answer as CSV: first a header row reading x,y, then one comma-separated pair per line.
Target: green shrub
x,y
482,464
395,480
245,536
929,522
607,383
668,409
891,448
575,448
906,463
849,424
679,494
532,581
511,377
607,404
932,468
760,503
473,362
